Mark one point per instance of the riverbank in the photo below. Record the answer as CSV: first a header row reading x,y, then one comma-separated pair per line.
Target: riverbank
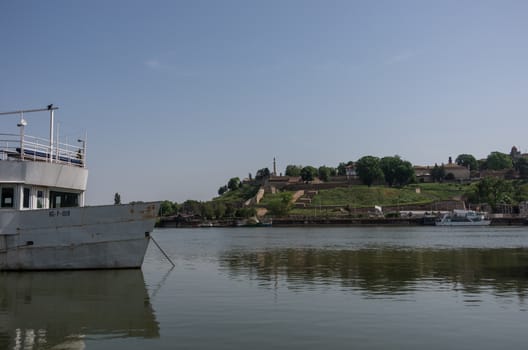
x,y
327,221
428,221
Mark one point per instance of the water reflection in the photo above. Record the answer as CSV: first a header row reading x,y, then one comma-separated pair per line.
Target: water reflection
x,y
42,310
387,270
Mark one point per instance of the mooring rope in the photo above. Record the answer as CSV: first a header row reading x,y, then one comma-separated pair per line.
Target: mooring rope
x,y
157,245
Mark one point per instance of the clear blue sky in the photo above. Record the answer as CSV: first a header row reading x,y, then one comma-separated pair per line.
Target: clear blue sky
x,y
178,96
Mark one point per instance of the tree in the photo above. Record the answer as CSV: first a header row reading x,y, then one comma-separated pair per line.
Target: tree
x,y
498,161
220,210
293,170
520,191
308,173
388,165
493,191
229,210
467,160
168,208
222,190
281,204
438,173
207,210
397,171
404,173
245,212
368,170
191,207
165,208
325,172
233,183
262,174
117,198
521,165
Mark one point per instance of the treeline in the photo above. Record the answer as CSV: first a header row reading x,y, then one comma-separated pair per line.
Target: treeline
x,y
208,210
496,192
390,170
393,171
496,161
234,183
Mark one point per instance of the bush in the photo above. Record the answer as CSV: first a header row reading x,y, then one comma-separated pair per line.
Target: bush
x,y
245,212
280,204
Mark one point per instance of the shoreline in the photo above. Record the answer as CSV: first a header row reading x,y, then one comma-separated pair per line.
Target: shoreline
x,y
335,222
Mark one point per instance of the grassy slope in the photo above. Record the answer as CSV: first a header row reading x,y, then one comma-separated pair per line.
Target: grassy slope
x,y
239,195
363,196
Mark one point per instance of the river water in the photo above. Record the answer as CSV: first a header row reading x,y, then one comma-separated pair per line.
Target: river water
x,y
286,288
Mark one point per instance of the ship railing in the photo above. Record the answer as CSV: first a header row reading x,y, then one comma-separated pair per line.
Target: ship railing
x,y
38,149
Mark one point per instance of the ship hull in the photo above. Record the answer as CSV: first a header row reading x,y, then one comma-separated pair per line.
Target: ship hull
x,y
98,237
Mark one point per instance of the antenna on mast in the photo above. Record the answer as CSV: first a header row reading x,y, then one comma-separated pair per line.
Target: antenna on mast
x,y
52,123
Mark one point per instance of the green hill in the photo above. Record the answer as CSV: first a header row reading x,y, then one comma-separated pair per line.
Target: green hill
x,y
363,196
352,199
355,197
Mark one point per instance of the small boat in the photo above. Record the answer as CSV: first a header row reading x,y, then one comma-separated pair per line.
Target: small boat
x,y
460,217
254,222
44,223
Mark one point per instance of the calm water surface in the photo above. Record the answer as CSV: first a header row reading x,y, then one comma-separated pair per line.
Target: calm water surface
x,y
286,288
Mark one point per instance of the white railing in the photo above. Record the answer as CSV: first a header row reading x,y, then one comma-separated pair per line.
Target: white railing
x,y
13,146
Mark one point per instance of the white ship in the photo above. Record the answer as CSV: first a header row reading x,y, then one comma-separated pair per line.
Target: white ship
x,y
44,224
460,217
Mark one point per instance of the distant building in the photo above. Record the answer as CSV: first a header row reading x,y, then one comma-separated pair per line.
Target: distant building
x,y
423,173
350,171
515,153
459,172
274,183
284,179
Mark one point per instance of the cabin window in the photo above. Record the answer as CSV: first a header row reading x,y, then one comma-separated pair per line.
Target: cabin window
x,y
40,199
63,199
25,197
8,197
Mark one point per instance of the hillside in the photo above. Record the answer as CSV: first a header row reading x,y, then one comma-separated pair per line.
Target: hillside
x,y
345,200
363,196
350,201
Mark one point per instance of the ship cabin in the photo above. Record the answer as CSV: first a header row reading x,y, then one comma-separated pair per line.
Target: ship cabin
x,y
36,173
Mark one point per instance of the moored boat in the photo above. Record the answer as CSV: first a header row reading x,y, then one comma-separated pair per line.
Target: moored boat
x,y
44,223
463,218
